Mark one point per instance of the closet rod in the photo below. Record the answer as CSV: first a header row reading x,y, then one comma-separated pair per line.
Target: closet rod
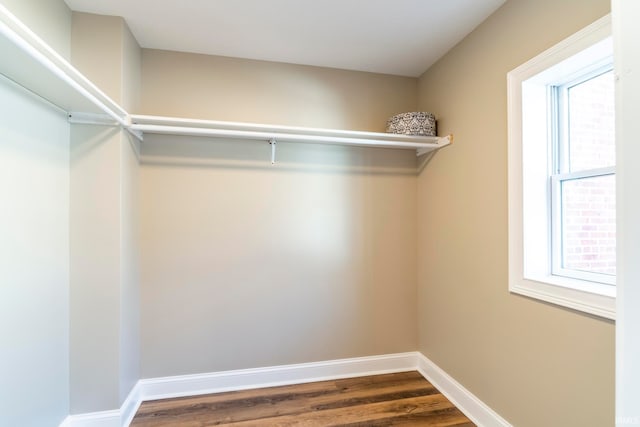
x,y
284,137
270,128
30,43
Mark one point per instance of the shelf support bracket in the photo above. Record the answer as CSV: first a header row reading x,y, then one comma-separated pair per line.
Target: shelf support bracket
x,y
272,141
79,118
137,134
442,142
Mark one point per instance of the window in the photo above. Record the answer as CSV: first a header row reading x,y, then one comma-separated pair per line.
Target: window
x,y
562,237
583,188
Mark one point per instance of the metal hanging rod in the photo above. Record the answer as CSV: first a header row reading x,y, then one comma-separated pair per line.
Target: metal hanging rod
x,y
25,48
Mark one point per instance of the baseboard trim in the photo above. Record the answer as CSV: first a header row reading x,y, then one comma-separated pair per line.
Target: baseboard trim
x,y
130,406
475,409
94,419
114,418
243,379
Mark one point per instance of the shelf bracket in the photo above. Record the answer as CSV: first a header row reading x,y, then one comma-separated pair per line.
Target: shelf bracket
x,y
272,141
80,118
442,142
139,135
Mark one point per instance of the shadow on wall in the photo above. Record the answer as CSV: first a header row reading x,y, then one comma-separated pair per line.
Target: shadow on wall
x,y
256,155
96,136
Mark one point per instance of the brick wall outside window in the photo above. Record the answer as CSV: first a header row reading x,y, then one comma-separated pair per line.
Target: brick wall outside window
x,y
589,216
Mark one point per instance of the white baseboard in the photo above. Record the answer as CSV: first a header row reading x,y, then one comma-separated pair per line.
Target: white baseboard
x,y
243,379
130,406
115,418
476,410
94,419
189,385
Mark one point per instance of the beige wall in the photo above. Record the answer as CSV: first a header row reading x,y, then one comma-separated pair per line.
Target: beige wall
x,y
534,363
105,302
105,50
130,214
95,268
130,265
49,19
104,297
97,51
131,70
247,265
219,88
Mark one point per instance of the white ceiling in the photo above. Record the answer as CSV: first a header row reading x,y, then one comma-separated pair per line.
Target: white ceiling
x,y
402,37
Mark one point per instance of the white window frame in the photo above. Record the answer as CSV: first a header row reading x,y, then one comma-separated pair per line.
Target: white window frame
x,y
559,109
530,216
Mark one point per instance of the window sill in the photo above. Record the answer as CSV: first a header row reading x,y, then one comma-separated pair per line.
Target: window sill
x,y
581,295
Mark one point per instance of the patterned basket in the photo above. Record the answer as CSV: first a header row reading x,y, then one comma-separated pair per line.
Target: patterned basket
x,y
414,123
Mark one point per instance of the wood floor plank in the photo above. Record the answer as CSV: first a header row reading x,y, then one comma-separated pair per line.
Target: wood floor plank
x,y
450,417
320,388
290,403
239,407
381,400
347,415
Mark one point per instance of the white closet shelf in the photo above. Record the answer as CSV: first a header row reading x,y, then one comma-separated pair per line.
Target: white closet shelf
x,y
274,133
31,63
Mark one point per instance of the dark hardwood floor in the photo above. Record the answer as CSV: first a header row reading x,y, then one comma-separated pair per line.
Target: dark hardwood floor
x,y
404,399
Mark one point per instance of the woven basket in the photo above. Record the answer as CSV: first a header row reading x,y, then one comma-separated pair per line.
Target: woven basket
x,y
414,123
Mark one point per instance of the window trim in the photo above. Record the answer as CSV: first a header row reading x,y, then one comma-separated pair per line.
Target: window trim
x,y
528,275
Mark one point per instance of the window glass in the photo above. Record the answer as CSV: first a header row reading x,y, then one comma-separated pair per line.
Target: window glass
x,y
591,124
589,224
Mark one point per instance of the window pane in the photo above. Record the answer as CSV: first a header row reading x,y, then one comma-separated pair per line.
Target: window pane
x,y
589,224
592,123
